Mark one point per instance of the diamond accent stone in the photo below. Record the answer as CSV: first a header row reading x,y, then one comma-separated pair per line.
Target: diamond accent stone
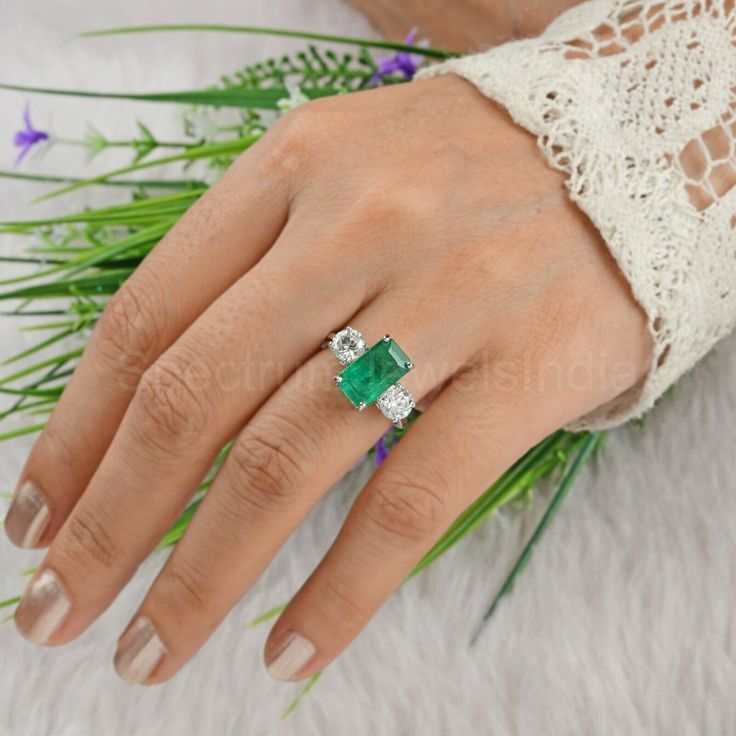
x,y
347,345
396,403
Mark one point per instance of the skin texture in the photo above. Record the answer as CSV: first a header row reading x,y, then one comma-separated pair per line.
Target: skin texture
x,y
476,24
385,210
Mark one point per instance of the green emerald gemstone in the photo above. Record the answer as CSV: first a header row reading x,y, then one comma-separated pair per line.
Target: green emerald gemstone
x,y
368,376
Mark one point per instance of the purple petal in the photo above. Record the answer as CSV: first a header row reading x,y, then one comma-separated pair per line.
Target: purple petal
x,y
411,37
21,138
27,116
23,153
406,65
381,451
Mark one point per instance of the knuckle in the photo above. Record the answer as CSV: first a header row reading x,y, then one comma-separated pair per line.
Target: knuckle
x,y
402,510
378,208
87,538
170,409
291,137
58,447
341,603
128,331
184,587
267,468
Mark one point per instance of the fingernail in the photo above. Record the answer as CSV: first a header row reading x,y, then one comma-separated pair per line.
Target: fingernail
x,y
43,608
27,517
291,658
140,650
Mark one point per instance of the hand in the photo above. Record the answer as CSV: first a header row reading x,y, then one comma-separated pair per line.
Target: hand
x,y
419,210
462,25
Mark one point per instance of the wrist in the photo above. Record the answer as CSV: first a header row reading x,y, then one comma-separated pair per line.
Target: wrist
x,y
531,17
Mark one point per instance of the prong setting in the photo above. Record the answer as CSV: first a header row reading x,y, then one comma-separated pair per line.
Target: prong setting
x,y
371,375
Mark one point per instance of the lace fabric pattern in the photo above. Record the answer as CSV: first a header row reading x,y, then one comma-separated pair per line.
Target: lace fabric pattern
x,y
636,102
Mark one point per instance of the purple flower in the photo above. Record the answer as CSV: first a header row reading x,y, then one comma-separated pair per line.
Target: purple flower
x,y
401,62
381,451
29,137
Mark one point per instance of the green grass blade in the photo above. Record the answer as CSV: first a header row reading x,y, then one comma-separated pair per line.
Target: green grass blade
x,y
283,33
233,146
21,432
266,616
35,392
10,602
180,525
116,214
511,484
238,97
588,446
101,284
38,346
130,183
311,682
56,360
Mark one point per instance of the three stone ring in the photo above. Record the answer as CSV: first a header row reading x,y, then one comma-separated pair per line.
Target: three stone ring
x,y
371,375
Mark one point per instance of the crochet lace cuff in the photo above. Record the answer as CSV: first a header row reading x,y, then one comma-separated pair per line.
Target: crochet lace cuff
x,y
634,100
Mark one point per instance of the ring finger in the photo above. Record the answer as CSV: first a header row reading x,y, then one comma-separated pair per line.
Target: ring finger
x,y
298,445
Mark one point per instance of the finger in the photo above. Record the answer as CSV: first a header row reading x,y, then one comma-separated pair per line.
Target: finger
x,y
304,439
220,238
188,404
451,454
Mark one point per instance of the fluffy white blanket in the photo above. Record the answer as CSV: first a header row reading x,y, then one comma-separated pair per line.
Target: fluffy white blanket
x,y
624,623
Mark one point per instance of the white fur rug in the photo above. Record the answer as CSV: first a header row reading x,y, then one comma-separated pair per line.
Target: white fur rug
x,y
624,623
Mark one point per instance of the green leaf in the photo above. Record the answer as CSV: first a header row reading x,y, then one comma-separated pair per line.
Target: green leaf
x,y
23,431
284,33
10,602
39,346
587,447
143,183
311,682
266,616
258,99
233,146
538,462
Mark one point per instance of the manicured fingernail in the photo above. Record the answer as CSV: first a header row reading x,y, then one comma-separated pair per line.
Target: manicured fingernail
x,y
291,657
140,650
27,517
43,608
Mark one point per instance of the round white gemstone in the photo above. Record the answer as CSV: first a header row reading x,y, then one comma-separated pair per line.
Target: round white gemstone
x,y
396,403
347,345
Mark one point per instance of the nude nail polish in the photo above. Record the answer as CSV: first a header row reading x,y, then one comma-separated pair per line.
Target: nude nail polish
x,y
43,608
140,650
27,517
291,657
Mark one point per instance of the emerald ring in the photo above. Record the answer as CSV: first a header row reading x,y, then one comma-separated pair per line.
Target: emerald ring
x,y
371,375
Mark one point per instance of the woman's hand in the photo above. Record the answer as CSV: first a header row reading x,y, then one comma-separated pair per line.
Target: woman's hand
x,y
418,210
462,25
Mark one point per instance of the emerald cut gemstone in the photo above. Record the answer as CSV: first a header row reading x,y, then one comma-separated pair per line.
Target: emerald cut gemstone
x,y
374,372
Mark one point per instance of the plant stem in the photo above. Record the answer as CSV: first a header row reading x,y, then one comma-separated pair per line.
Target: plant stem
x,y
150,183
306,35
588,446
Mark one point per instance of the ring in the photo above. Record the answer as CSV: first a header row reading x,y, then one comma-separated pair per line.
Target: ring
x,y
371,375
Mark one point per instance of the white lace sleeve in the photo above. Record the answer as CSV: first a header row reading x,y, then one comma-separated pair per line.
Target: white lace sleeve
x,y
636,102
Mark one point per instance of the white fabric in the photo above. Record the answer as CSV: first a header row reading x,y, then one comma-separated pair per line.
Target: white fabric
x,y
623,622
634,100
